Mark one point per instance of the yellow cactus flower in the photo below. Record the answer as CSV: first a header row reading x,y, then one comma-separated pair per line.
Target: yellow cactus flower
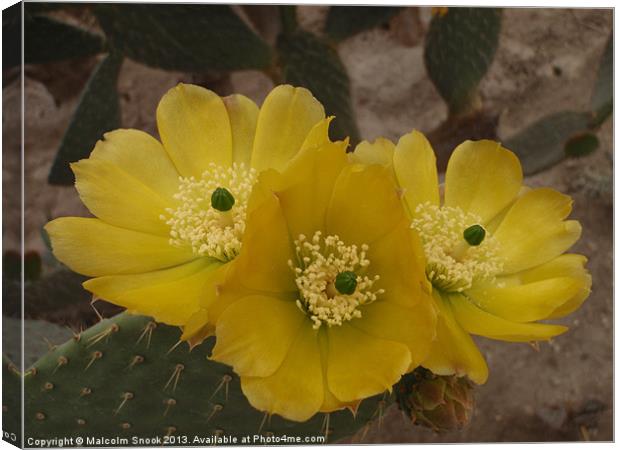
x,y
495,249
327,303
170,215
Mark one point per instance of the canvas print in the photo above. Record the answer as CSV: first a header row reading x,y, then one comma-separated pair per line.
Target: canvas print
x,y
306,224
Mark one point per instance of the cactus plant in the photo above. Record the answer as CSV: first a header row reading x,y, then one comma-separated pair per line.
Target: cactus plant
x,y
98,111
128,376
460,47
345,21
308,61
552,138
11,401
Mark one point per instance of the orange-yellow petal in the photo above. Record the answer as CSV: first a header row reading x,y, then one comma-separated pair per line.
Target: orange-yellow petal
x,y
305,188
197,328
330,402
397,258
318,135
380,152
360,365
262,264
295,389
414,327
255,333
365,205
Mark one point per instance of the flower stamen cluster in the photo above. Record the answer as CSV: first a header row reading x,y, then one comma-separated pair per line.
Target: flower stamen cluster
x,y
319,262
194,220
452,264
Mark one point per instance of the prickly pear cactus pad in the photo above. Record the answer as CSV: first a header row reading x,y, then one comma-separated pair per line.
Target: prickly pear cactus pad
x,y
11,391
127,377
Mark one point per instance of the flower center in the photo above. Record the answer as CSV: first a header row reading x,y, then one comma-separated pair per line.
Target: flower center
x,y
459,251
210,215
330,276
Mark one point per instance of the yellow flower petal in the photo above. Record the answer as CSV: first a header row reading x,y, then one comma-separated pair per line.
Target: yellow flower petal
x,y
365,205
360,365
414,327
228,290
330,402
454,351
94,248
534,231
295,390
243,115
262,264
381,152
255,333
197,328
482,178
394,258
285,119
526,302
171,295
476,321
194,128
568,265
118,198
415,166
318,135
305,188
142,156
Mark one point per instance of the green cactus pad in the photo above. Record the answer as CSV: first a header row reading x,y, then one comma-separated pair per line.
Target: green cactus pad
x,y
311,62
11,402
125,377
460,46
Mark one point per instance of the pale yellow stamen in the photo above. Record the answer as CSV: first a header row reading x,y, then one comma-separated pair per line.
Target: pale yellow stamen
x,y
319,261
196,223
452,264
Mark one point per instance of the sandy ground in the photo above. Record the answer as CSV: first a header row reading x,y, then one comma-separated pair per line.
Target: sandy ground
x,y
545,63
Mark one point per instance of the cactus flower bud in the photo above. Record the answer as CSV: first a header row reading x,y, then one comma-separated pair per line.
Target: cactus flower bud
x,y
438,402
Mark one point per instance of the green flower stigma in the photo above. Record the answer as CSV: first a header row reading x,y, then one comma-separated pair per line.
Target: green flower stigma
x,y
474,235
222,199
346,282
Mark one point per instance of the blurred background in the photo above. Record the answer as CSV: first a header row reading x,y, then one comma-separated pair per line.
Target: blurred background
x,y
539,80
